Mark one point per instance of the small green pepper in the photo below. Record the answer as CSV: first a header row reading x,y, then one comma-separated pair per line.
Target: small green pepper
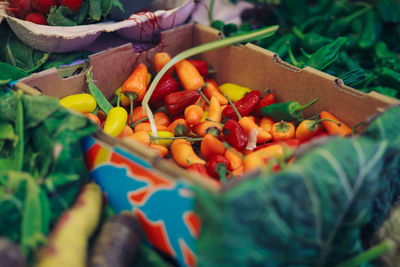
x,y
389,77
353,77
287,111
280,46
371,31
311,41
339,26
383,90
326,55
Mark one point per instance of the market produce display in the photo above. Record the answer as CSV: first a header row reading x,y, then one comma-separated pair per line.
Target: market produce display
x,y
356,41
290,188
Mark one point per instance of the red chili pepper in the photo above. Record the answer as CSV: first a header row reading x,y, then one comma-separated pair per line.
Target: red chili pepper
x,y
199,168
176,102
200,65
293,142
267,100
244,106
235,135
166,86
217,167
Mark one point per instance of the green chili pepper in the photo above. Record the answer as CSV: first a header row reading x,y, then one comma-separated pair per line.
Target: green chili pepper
x,y
347,61
327,54
384,55
319,6
288,111
311,41
101,100
389,77
371,31
340,25
280,46
354,77
383,90
312,21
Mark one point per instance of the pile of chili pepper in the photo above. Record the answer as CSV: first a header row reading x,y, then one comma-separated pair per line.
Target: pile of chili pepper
x,y
356,41
219,131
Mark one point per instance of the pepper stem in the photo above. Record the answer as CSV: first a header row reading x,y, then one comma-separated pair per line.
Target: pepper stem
x,y
119,98
221,170
215,121
299,108
190,139
298,33
353,130
132,97
318,121
139,121
202,94
234,108
369,254
291,56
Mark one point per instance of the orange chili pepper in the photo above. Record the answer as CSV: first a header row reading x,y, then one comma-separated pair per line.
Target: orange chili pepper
x,y
235,158
179,127
308,128
141,137
282,131
200,102
189,76
127,131
266,124
137,114
137,82
206,127
146,126
237,172
160,60
184,154
331,127
212,90
193,114
248,125
161,118
160,149
92,117
214,110
260,157
211,146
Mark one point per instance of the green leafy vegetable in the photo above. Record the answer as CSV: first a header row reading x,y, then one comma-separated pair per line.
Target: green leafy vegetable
x,y
61,16
95,10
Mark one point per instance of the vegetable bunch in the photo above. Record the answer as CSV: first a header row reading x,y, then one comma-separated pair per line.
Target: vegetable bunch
x,y
62,12
198,124
356,41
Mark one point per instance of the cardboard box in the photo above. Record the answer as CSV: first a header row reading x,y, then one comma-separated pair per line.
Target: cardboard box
x,y
158,191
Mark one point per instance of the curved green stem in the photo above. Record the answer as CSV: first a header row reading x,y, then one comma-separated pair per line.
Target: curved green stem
x,y
234,107
306,105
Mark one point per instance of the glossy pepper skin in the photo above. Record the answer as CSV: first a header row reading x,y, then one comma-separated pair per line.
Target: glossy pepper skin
x,y
166,86
244,106
115,121
176,102
267,100
200,65
217,167
286,111
235,135
199,168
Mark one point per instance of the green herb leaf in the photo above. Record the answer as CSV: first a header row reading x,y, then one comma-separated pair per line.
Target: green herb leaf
x,y
95,9
61,16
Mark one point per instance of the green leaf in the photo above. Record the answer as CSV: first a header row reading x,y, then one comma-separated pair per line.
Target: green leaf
x,y
117,3
106,6
309,214
11,73
82,13
60,16
7,131
389,9
95,9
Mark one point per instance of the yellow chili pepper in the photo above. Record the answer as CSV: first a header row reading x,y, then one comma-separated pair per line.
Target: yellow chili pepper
x,y
79,102
163,134
116,120
124,99
233,91
205,115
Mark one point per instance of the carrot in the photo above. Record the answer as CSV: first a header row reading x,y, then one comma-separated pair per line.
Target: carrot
x,y
160,149
205,127
141,137
189,76
214,110
71,234
161,118
331,127
211,146
160,60
193,114
184,154
235,158
92,117
179,127
146,126
282,131
249,125
126,132
266,124
258,158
